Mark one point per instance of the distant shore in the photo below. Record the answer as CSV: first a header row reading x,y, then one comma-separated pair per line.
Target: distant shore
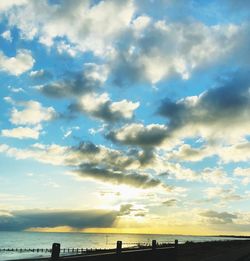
x,y
233,236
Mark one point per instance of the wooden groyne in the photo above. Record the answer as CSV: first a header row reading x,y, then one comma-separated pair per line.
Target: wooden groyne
x,y
228,250
130,245
47,250
154,251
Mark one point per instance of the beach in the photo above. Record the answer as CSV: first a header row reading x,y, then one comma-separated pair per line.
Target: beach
x,y
215,251
233,250
36,240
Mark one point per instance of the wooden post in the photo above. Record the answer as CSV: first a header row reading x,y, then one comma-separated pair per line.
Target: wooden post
x,y
176,243
55,251
118,247
176,249
154,244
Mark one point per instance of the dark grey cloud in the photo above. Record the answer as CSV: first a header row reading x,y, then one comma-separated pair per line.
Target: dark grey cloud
x,y
126,71
145,156
72,84
21,220
238,5
221,107
112,166
87,151
129,68
170,202
126,209
87,147
139,135
130,209
102,112
140,214
218,217
116,177
40,76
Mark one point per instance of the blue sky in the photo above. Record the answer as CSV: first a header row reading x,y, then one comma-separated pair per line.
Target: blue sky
x,y
120,113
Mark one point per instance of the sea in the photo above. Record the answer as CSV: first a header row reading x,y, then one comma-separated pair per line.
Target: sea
x,y
35,240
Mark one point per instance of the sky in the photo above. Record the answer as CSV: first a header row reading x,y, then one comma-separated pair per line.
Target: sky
x,y
125,116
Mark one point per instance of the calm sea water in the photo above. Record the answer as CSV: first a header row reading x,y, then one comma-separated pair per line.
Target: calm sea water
x,y
79,240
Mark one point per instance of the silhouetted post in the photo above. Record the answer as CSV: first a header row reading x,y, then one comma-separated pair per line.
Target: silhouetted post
x,y
176,249
118,247
176,244
154,244
55,251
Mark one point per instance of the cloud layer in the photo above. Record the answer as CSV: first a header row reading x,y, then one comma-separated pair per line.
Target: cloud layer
x,y
25,219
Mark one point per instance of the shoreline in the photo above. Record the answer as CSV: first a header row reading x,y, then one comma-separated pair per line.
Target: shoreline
x,y
230,250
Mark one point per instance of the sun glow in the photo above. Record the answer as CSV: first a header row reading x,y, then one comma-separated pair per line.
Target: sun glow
x,y
119,193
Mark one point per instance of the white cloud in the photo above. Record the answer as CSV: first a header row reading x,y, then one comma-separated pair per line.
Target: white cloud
x,y
22,132
186,153
9,100
100,106
16,90
22,62
63,47
69,131
51,154
6,4
162,49
151,50
92,102
238,152
96,72
38,73
222,194
216,176
125,108
95,26
100,129
140,23
3,148
32,114
7,35
244,173
179,172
